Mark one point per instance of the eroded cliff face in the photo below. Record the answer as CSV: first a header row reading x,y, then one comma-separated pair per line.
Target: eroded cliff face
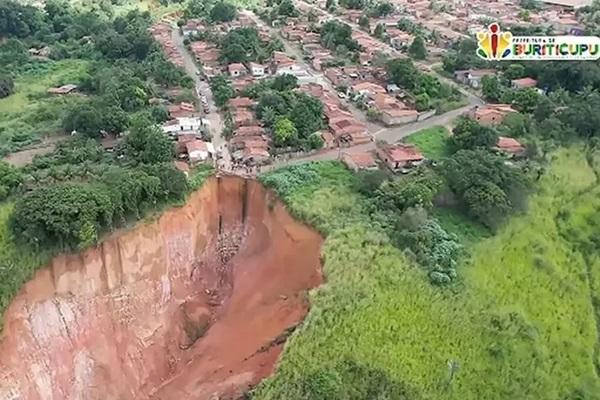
x,y
191,306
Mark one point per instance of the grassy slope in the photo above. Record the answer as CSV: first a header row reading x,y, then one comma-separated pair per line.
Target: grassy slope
x,y
522,326
30,113
433,142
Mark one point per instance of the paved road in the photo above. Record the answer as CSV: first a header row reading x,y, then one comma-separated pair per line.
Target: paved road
x,y
203,89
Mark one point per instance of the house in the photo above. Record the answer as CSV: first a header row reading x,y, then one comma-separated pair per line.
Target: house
x,y
359,161
181,110
348,130
400,156
257,70
568,4
366,89
241,102
472,77
509,146
184,125
393,111
197,150
243,117
249,130
192,28
65,89
491,114
523,83
236,70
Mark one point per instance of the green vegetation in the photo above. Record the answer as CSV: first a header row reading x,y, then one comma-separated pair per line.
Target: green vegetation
x,y
244,45
429,92
521,319
433,142
30,113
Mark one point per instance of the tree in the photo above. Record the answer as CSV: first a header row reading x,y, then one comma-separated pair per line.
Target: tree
x,y
491,88
271,101
284,132
383,9
367,182
401,194
514,71
524,100
223,12
70,215
422,102
417,49
403,73
379,31
530,4
334,33
242,45
489,188
284,82
469,134
221,89
406,25
330,5
363,22
287,8
306,114
10,179
7,86
352,4
146,143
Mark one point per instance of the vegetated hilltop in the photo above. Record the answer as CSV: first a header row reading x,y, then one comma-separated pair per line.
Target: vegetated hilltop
x,y
520,322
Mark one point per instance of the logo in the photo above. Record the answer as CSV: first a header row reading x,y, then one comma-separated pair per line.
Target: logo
x,y
495,45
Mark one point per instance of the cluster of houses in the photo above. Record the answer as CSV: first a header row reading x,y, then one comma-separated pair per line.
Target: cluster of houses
x,y
162,33
343,127
250,143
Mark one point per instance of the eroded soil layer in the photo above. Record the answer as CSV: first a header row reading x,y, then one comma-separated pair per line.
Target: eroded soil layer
x,y
192,306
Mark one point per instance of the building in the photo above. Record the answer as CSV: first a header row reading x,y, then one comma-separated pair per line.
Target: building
x,y
392,111
65,89
198,151
510,146
181,110
568,4
185,125
236,70
359,161
491,114
192,27
472,77
241,102
257,70
400,156
523,83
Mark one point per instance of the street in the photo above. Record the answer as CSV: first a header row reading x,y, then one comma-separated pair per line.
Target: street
x,y
203,89
386,134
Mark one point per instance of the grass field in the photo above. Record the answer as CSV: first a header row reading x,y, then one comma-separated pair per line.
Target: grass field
x,y
29,113
519,324
433,142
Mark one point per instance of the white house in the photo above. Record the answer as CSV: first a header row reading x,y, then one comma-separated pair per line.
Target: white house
x,y
185,124
257,70
198,150
291,68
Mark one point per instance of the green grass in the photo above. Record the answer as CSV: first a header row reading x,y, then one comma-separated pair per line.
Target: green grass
x,y
433,142
467,230
519,325
29,114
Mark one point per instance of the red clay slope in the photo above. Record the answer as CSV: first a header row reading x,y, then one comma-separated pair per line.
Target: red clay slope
x,y
192,306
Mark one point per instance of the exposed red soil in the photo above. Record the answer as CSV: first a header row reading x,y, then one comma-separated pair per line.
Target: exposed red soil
x,y
193,306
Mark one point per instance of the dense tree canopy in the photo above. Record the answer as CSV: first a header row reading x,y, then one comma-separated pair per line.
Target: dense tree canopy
x,y
223,12
7,86
469,134
334,34
417,49
489,189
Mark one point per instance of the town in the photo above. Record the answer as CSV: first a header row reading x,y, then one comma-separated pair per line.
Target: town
x,y
340,54
300,199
